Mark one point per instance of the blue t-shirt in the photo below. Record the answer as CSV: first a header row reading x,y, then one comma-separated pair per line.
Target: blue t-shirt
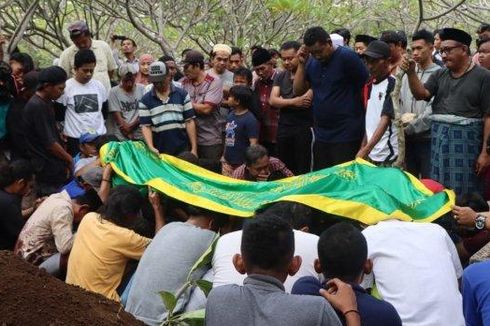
x,y
373,312
338,111
167,119
476,294
239,129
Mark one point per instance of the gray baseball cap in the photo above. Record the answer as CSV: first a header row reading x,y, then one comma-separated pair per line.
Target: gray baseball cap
x,y
158,71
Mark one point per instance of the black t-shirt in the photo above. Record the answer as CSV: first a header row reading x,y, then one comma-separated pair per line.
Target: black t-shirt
x,y
467,96
291,116
15,128
40,133
11,221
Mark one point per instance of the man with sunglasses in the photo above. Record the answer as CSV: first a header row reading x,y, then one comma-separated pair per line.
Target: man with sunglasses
x,y
460,113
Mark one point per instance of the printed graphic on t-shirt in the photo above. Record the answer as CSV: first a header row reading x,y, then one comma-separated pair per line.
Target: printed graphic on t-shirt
x,y
129,106
86,103
230,133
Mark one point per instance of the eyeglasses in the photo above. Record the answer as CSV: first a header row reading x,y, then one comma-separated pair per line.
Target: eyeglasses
x,y
448,49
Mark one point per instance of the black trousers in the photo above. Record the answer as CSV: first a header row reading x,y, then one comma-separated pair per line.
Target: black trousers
x,y
294,149
326,155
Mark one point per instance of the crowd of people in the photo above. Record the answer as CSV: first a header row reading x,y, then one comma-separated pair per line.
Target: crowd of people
x,y
314,103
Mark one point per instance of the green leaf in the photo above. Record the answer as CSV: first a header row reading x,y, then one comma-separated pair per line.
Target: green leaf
x,y
169,301
192,318
205,286
205,258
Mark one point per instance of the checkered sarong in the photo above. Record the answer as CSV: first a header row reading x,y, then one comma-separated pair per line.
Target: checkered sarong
x,y
454,151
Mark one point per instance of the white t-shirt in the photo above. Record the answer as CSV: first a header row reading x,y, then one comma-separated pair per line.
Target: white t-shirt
x,y
380,104
83,104
416,268
229,245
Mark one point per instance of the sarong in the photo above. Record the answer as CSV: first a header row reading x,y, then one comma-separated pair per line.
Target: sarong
x,y
454,151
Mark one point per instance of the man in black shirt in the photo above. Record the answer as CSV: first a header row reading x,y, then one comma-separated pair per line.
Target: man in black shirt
x,y
295,119
15,182
52,164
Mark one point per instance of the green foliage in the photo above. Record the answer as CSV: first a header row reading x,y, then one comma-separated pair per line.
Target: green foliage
x,y
169,300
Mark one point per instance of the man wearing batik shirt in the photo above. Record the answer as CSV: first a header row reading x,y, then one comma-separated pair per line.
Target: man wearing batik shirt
x,y
206,93
261,61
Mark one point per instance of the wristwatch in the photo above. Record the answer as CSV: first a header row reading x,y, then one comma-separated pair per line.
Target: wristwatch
x,y
480,222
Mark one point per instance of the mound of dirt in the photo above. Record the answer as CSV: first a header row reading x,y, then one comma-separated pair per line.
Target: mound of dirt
x,y
30,296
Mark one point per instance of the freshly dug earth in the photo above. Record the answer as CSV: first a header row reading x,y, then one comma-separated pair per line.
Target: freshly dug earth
x,y
29,296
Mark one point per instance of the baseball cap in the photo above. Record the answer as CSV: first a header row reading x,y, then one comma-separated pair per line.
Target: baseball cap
x,y
88,137
77,28
377,50
193,57
127,68
158,71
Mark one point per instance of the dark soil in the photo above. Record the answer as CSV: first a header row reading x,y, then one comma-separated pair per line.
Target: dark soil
x,y
29,296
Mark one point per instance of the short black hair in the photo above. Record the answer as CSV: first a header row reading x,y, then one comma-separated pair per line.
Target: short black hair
x,y
345,33
423,34
297,215
184,51
393,37
342,251
244,72
480,42
243,94
24,59
254,153
485,27
473,200
123,201
89,198
290,45
129,39
267,243
14,171
274,52
104,139
84,56
219,219
314,35
436,32
236,50
166,58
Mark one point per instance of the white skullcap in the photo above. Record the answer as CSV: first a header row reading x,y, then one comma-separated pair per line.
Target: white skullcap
x,y
222,47
337,40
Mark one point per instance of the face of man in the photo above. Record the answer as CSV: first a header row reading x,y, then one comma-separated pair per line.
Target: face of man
x,y
484,55
289,59
453,54
235,62
128,82
437,42
484,35
220,61
82,41
321,52
360,47
378,68
264,71
260,168
422,51
192,71
84,73
396,51
17,69
240,81
162,85
171,68
55,91
127,47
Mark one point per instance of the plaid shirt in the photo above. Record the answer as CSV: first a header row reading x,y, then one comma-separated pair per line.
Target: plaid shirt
x,y
275,165
269,114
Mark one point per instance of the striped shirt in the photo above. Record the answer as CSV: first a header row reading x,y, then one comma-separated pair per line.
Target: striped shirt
x,y
167,119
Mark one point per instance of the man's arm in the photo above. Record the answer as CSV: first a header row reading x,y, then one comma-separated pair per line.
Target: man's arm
x,y
212,98
203,108
378,133
62,229
190,127
148,137
300,84
57,150
158,209
418,89
277,101
342,297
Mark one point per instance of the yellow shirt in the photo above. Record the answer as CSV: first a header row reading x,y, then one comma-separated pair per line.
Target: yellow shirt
x,y
99,255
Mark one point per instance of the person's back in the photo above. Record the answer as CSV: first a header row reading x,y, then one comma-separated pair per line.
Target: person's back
x,y
416,269
342,253
262,301
267,249
164,267
476,294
